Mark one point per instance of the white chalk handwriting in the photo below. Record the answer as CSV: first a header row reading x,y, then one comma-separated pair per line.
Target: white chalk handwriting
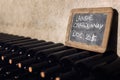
x,y
84,18
82,36
88,25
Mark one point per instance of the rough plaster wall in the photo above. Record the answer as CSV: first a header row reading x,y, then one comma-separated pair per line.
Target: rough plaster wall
x,y
44,19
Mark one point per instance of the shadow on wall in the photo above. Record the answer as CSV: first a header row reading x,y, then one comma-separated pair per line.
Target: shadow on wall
x,y
112,42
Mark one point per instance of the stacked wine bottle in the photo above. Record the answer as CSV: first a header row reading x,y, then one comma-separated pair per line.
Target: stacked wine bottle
x,y
24,58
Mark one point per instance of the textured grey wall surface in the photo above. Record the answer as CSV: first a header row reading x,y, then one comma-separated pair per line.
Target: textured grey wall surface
x,y
44,19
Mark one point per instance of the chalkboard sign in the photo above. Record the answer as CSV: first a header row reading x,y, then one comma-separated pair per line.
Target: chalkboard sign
x,y
89,28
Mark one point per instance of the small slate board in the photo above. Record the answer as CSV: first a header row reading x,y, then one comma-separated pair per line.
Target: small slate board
x,y
89,28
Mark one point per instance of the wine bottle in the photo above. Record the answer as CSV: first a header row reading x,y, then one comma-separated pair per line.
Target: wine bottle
x,y
15,47
25,62
51,71
42,55
68,61
36,49
11,73
23,53
36,67
18,40
21,46
11,38
15,60
55,57
8,37
25,76
32,67
6,45
109,71
31,52
87,64
7,68
63,67
4,42
60,54
70,75
23,42
56,73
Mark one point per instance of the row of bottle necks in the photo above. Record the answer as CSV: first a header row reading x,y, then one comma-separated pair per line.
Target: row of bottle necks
x,y
26,58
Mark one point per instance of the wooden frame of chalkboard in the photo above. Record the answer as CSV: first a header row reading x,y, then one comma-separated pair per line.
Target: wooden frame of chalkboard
x,y
89,28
